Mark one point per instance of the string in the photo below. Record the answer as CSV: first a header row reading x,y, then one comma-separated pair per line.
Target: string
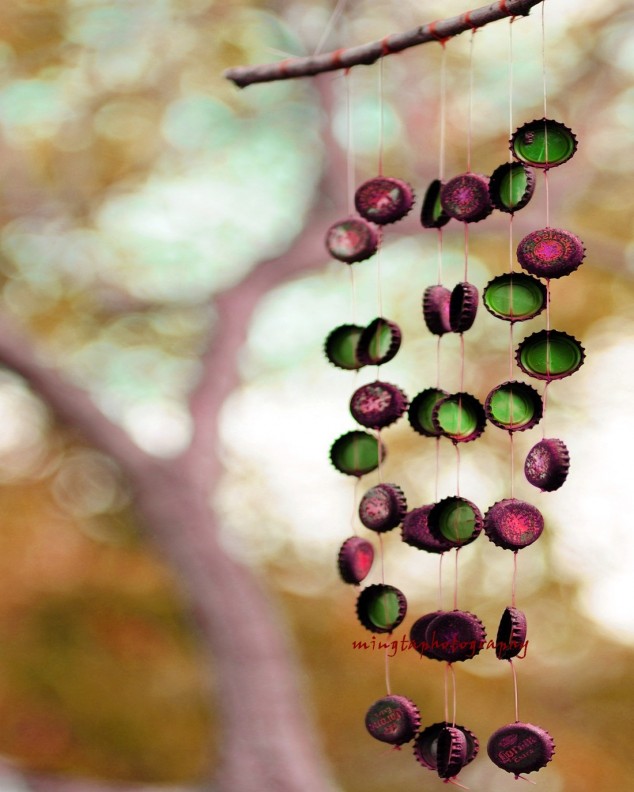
x,y
381,116
455,581
511,90
457,446
349,145
442,555
353,523
440,252
461,368
329,25
546,185
470,118
437,476
443,114
453,685
512,446
517,711
514,583
466,252
447,693
379,283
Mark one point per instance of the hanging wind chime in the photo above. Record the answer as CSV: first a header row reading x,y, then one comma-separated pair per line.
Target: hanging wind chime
x,y
447,525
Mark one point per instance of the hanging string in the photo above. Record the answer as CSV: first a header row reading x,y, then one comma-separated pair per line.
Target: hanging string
x,y
381,116
440,560
455,581
517,711
470,117
512,450
546,185
455,702
443,114
514,583
329,25
447,693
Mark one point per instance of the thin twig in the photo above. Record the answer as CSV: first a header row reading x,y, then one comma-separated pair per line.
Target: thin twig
x,y
439,31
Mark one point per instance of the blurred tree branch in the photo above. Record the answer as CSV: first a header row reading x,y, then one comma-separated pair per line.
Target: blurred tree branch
x,y
367,54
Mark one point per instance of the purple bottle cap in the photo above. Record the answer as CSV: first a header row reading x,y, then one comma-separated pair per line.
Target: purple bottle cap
x,y
436,300
418,635
382,507
466,197
550,355
415,532
351,240
520,748
378,404
451,752
393,719
455,636
355,559
463,307
550,252
513,524
511,634
384,199
356,453
341,347
426,744
547,464
421,410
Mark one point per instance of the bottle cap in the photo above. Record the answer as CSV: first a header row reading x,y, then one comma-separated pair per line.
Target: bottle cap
x,y
381,608
382,507
455,520
356,453
355,559
421,410
460,417
393,719
378,404
466,197
543,143
520,748
511,634
550,355
415,532
432,215
379,342
384,199
513,524
547,464
455,636
514,297
463,307
436,309
514,406
341,346
426,744
550,252
511,186
351,240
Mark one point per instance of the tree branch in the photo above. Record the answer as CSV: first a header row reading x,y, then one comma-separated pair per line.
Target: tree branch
x,y
69,402
439,31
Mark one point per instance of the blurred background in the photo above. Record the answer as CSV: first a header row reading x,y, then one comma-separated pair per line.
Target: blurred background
x,y
136,184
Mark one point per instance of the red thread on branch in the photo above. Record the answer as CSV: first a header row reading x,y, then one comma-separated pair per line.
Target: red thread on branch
x,y
467,20
432,32
385,47
336,58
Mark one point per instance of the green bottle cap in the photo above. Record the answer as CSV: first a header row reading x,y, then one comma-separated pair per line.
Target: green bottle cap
x,y
550,355
421,410
356,453
460,417
511,186
543,143
341,347
432,215
381,608
514,297
514,406
456,520
379,342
